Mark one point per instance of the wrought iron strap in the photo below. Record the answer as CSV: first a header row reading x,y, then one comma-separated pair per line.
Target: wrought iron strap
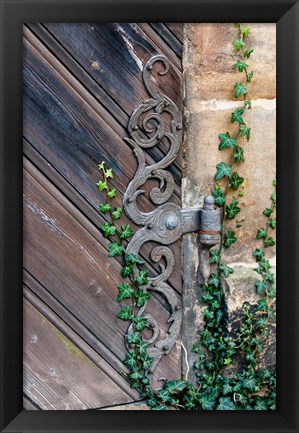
x,y
147,127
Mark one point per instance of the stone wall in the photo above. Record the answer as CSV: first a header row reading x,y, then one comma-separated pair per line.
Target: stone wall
x,y
209,78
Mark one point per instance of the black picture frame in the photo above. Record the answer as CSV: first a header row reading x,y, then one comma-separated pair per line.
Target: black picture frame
x,y
13,14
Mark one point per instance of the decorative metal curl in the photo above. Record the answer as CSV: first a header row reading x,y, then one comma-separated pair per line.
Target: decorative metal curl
x,y
147,128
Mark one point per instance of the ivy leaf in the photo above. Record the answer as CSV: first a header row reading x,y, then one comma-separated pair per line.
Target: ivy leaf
x,y
250,384
227,389
245,31
218,195
240,89
235,180
226,403
226,141
262,305
141,278
269,276
232,209
260,405
133,338
249,76
226,270
117,213
107,229
101,166
239,154
142,347
175,386
267,212
130,359
214,256
214,280
208,399
245,132
141,298
237,116
247,53
125,313
229,238
126,232
111,193
163,394
260,286
132,259
238,44
140,323
136,375
147,362
222,170
109,173
261,233
102,185
125,291
272,223
105,208
240,65
269,242
127,270
115,249
258,254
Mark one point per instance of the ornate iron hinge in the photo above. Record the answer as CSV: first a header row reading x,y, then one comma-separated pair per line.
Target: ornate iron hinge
x,y
149,124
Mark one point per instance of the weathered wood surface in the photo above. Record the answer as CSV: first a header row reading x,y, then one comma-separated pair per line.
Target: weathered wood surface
x,y
81,83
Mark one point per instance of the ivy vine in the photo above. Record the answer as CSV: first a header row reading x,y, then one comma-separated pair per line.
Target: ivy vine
x,y
251,388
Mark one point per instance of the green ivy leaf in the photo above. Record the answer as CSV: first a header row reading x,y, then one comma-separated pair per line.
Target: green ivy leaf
x,y
262,305
250,384
218,195
260,286
136,375
140,323
267,212
261,233
208,399
238,44
260,405
142,347
127,270
108,229
133,338
272,223
269,242
258,254
111,193
249,76
229,238
222,170
105,208
141,298
240,65
227,389
163,394
247,53
214,256
245,31
226,270
232,209
239,154
101,166
226,403
245,132
109,173
147,362
235,180
142,277
126,232
175,386
117,213
115,249
237,116
226,141
125,313
132,259
214,280
131,359
102,185
125,291
240,89
269,276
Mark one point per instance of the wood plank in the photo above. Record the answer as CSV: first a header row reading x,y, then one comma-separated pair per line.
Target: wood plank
x,y
168,37
29,404
50,109
93,86
57,375
64,253
177,29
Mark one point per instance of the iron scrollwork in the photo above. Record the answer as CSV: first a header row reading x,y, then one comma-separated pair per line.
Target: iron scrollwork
x,y
149,124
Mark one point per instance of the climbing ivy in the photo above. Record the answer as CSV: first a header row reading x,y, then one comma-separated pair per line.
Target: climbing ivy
x,y
251,388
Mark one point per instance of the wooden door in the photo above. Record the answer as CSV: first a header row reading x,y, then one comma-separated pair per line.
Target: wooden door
x,y
81,84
